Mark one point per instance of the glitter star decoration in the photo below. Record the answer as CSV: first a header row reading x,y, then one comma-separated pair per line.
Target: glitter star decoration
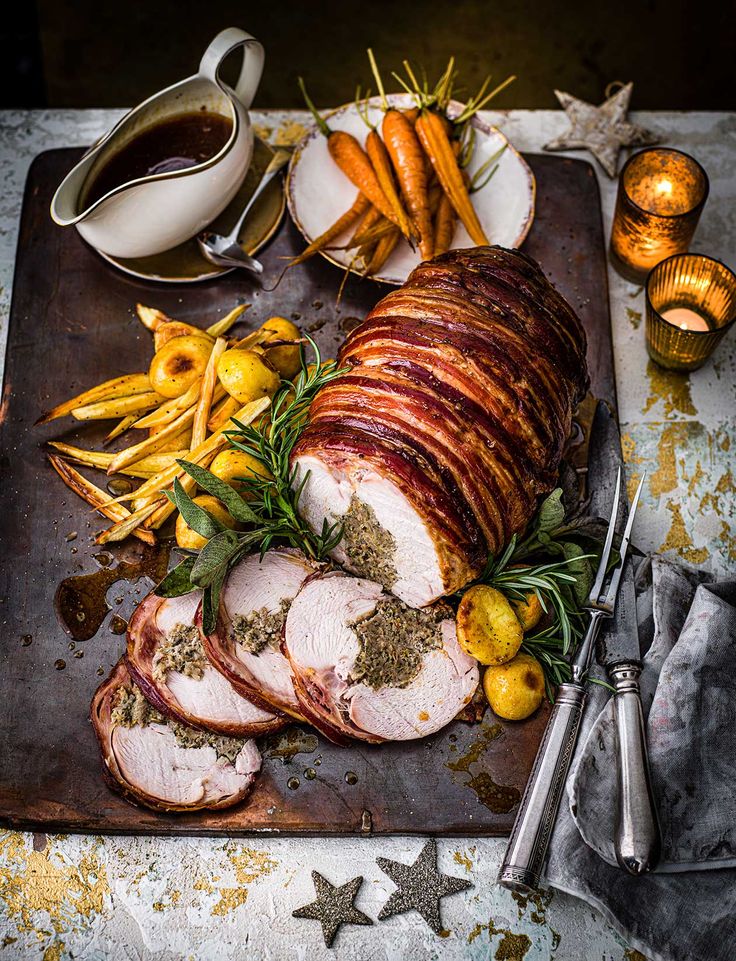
x,y
419,886
333,907
602,130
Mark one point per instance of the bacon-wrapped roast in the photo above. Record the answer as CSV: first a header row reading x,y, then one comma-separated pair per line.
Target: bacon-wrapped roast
x,y
434,448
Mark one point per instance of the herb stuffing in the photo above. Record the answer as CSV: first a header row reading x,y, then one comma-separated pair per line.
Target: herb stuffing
x,y
393,641
260,629
131,709
181,651
371,547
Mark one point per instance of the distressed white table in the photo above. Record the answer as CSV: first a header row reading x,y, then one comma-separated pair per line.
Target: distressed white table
x,y
167,898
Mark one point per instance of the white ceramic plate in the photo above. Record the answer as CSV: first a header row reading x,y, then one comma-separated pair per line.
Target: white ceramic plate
x,y
318,192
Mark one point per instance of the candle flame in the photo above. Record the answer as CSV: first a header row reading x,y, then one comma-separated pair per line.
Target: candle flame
x,y
665,186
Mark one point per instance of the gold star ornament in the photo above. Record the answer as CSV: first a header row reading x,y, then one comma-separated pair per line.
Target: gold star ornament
x,y
602,130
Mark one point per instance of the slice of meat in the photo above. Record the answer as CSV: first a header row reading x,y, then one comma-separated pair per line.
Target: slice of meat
x,y
166,658
366,666
162,764
246,647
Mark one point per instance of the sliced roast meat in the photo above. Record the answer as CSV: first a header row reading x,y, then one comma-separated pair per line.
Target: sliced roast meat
x,y
433,448
367,666
166,658
162,764
247,645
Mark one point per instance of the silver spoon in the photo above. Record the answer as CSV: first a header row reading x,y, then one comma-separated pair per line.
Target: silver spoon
x,y
225,251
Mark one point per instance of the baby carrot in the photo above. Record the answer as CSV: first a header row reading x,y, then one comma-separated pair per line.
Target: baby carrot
x,y
376,150
352,160
433,136
382,251
342,223
407,157
444,225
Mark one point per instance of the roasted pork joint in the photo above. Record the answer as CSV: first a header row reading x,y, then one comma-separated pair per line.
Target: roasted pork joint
x,y
434,448
246,647
166,658
368,667
162,764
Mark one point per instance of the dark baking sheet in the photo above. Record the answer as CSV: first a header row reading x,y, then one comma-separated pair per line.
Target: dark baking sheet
x,y
72,325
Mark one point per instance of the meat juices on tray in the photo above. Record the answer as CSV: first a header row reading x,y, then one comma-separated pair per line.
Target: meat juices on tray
x,y
161,763
435,446
166,658
366,666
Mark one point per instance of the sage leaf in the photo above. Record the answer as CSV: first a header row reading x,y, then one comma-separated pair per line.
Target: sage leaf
x,y
552,512
211,602
579,565
218,552
195,516
235,504
177,581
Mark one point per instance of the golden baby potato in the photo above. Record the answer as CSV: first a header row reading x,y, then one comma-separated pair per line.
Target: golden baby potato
x,y
186,537
246,376
286,359
233,465
529,611
515,689
487,627
179,363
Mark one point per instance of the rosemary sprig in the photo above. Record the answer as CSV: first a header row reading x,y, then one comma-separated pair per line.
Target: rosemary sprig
x,y
268,505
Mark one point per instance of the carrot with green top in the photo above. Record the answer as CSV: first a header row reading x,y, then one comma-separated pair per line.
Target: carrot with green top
x,y
433,136
352,160
408,161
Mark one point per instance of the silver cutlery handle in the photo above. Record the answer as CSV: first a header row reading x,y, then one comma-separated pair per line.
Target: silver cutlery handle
x,y
637,837
522,865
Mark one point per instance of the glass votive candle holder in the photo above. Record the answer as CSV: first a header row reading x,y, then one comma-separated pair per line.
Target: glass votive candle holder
x,y
691,304
661,194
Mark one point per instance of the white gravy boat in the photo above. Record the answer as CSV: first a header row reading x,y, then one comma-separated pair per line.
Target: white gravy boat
x,y
154,213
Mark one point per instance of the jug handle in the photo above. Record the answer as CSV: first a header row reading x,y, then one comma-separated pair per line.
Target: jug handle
x,y
250,73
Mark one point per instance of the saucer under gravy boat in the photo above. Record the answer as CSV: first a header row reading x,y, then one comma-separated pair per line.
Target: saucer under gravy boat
x,y
172,200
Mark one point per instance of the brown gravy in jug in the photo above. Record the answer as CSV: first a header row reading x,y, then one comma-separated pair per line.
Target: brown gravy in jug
x,y
175,144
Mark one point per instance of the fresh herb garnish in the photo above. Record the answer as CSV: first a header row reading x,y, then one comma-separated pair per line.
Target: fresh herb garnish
x,y
268,505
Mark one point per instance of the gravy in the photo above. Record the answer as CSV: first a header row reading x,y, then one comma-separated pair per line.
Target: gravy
x,y
175,144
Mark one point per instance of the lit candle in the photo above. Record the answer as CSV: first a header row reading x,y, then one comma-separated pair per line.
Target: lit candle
x,y
685,319
680,337
661,193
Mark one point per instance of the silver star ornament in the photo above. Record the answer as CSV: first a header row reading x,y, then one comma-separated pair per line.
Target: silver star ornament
x,y
333,907
419,886
602,130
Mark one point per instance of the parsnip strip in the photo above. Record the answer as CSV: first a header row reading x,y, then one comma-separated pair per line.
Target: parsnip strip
x,y
124,386
120,428
212,444
94,496
224,325
151,444
117,407
172,408
204,405
124,528
150,317
222,413
101,459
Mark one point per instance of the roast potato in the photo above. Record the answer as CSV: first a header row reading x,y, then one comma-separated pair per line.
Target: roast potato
x,y
179,363
246,375
529,611
190,539
487,627
233,465
515,689
286,359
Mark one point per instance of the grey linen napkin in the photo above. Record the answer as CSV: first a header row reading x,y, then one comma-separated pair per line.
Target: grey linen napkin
x,y
686,910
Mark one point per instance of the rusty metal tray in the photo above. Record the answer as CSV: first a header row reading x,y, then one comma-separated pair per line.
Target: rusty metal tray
x,y
72,324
